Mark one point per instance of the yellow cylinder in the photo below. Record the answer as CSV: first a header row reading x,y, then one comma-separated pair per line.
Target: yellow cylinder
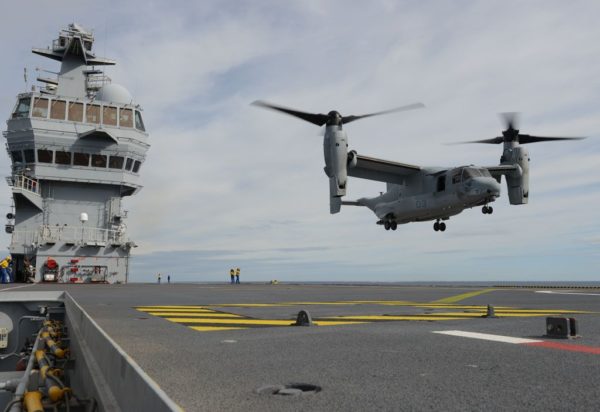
x,y
55,393
33,401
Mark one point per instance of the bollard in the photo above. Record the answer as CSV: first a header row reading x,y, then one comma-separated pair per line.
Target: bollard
x,y
303,319
490,312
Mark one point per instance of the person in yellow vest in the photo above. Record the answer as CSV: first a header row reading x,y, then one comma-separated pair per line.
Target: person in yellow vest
x,y
4,269
232,275
237,276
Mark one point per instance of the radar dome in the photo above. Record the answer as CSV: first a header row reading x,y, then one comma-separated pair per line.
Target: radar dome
x,y
114,93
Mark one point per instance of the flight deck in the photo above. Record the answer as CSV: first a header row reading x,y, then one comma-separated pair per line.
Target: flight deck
x,y
370,347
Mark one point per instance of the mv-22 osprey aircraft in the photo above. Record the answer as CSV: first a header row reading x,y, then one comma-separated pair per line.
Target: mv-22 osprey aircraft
x,y
418,193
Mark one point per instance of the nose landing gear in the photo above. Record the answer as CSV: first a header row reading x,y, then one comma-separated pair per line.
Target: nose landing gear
x,y
439,226
487,210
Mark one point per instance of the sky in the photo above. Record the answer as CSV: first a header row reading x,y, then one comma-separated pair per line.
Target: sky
x,y
227,184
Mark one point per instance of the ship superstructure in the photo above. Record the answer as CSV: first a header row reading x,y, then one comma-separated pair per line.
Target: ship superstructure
x,y
76,144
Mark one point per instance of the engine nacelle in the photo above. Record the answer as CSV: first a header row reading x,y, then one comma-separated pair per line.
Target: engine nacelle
x,y
335,148
517,182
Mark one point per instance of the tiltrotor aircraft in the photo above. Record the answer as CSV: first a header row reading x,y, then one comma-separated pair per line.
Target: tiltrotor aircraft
x,y
418,193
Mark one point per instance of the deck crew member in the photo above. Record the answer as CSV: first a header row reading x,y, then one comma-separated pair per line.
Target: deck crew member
x,y
232,275
237,276
159,278
4,269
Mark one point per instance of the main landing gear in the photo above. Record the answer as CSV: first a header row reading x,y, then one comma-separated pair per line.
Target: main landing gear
x,y
487,210
390,225
439,226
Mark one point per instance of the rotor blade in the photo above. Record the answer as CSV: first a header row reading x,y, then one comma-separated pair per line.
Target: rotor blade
x,y
348,119
495,140
510,119
525,138
314,118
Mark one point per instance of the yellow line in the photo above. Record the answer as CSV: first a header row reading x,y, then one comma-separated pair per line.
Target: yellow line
x,y
269,322
463,296
177,310
335,323
199,315
213,328
391,318
170,307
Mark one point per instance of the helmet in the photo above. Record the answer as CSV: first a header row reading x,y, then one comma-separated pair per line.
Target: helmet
x,y
8,258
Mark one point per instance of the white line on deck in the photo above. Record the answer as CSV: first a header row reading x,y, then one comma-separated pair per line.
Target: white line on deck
x,y
486,336
14,287
551,292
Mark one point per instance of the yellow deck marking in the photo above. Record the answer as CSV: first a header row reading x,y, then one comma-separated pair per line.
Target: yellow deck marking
x,y
171,307
242,321
213,328
392,318
334,323
177,310
198,315
207,319
463,296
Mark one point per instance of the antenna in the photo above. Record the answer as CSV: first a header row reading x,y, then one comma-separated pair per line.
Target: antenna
x,y
25,77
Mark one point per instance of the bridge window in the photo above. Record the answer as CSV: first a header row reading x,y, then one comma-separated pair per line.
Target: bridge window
x,y
57,109
62,158
129,163
17,156
40,107
98,160
136,166
116,162
126,118
109,116
76,112
44,156
22,109
81,159
139,124
29,156
92,113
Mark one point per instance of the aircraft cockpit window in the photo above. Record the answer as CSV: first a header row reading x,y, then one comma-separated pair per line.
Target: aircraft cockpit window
x,y
22,109
456,178
139,124
485,173
469,173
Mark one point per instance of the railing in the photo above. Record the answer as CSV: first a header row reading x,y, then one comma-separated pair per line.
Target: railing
x,y
24,182
68,234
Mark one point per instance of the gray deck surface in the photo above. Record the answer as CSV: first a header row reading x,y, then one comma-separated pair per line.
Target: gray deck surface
x,y
385,365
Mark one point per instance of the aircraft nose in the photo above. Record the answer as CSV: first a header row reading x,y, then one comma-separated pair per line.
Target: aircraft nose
x,y
492,186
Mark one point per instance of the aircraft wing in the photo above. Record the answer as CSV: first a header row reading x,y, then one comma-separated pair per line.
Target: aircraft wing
x,y
500,170
380,170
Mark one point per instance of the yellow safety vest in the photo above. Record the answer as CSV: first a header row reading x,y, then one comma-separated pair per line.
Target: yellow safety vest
x,y
4,264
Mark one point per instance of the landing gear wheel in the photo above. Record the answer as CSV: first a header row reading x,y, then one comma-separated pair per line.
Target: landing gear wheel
x,y
485,210
387,225
442,226
394,225
436,226
490,210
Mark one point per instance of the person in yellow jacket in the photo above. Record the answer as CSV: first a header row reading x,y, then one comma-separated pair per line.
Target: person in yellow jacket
x,y
4,271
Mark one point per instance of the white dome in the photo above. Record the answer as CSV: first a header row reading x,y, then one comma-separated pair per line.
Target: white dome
x,y
114,93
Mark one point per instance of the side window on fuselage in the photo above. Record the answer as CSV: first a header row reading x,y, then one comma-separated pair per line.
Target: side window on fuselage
x,y
441,183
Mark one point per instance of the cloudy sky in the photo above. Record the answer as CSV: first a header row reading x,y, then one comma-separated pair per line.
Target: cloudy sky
x,y
227,184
